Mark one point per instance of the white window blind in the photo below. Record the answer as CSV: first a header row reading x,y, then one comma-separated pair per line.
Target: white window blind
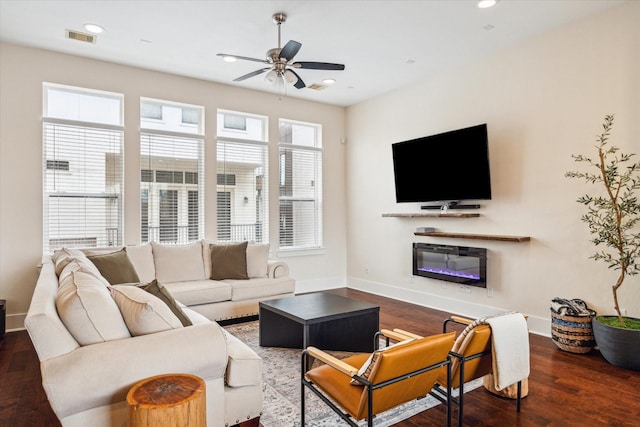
x,y
242,185
82,168
300,163
171,173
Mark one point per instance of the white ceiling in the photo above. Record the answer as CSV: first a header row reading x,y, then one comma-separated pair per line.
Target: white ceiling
x,y
384,44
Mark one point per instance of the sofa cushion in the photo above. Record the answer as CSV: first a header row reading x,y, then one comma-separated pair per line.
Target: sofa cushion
x,y
142,312
195,317
158,290
87,309
141,256
244,366
228,261
178,263
197,292
258,288
257,259
115,267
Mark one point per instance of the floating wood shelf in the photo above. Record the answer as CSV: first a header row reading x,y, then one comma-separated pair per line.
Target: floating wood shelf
x,y
431,215
476,236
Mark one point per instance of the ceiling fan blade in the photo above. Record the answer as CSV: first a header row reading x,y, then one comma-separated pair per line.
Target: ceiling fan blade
x,y
252,74
244,58
318,65
289,50
299,84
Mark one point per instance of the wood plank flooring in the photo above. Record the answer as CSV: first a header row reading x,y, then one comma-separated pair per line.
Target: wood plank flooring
x,y
565,389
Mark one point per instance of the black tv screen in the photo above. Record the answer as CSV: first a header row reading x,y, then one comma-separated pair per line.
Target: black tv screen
x,y
446,167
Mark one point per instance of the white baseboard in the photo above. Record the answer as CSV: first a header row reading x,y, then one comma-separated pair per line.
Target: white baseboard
x,y
15,322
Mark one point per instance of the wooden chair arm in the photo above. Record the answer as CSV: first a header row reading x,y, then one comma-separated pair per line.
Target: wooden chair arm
x,y
407,335
334,362
462,320
395,335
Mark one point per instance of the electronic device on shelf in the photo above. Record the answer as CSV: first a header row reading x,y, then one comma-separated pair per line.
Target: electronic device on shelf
x,y
445,168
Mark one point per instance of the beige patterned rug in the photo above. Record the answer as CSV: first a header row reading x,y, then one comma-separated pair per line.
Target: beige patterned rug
x,y
281,375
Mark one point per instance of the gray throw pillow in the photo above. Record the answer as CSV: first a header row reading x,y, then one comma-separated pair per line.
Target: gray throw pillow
x,y
229,261
115,267
158,290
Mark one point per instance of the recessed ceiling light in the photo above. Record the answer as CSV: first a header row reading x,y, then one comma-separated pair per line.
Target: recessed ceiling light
x,y
329,81
229,58
483,4
93,28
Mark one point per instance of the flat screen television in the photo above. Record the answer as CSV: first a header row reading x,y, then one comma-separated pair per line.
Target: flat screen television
x,y
447,167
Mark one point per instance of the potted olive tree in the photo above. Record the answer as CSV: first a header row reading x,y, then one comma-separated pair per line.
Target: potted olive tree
x,y
613,219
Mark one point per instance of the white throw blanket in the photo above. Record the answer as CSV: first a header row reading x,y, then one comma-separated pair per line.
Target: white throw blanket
x,y
510,346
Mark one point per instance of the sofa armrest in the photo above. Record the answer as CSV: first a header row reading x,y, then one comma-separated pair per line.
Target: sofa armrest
x,y
102,374
277,269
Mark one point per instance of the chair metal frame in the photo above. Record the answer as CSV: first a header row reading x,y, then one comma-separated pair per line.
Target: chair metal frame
x,y
306,362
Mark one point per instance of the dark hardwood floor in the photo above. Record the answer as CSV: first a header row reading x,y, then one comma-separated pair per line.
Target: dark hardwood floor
x,y
565,389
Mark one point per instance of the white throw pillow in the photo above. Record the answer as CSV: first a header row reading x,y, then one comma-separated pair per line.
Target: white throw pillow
x,y
87,309
142,312
257,259
178,263
62,257
75,264
141,256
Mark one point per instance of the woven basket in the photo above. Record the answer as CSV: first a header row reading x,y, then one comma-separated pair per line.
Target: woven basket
x,y
572,333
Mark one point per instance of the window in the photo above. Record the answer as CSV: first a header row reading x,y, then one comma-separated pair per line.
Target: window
x,y
300,155
242,196
236,122
171,162
82,167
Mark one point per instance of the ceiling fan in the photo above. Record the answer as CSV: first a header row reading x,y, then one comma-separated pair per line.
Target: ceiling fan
x,y
281,68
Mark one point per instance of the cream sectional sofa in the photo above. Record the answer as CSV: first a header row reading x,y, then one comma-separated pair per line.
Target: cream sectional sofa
x,y
186,271
95,339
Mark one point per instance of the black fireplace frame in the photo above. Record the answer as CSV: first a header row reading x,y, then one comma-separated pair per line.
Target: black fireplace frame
x,y
455,251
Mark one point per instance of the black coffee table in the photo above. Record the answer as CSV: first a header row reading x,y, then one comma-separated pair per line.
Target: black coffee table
x,y
323,320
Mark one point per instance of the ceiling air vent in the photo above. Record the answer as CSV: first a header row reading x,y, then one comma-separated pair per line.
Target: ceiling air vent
x,y
81,37
316,86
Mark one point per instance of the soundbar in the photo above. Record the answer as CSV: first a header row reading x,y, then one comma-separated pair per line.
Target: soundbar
x,y
456,206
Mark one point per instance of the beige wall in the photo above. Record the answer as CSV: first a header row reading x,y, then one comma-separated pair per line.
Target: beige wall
x,y
22,72
543,100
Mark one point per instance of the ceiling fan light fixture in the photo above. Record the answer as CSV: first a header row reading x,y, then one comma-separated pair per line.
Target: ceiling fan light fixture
x,y
271,76
329,81
290,76
280,66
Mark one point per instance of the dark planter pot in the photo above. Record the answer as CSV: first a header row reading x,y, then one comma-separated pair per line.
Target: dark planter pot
x,y
618,346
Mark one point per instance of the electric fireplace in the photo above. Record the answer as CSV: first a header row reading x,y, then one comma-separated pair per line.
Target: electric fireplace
x,y
458,264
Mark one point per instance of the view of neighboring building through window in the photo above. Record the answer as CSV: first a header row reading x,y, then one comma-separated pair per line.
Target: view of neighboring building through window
x,y
242,186
171,172
300,172
82,167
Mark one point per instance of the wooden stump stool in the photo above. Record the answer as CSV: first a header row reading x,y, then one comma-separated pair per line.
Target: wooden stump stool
x,y
171,400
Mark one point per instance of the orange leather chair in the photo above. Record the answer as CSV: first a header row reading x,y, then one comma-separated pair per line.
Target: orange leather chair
x,y
471,359
361,386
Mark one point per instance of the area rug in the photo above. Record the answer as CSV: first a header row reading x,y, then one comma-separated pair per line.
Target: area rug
x,y
281,379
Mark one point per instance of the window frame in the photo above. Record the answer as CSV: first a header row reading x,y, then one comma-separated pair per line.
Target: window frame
x,y
166,178
318,213
111,217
